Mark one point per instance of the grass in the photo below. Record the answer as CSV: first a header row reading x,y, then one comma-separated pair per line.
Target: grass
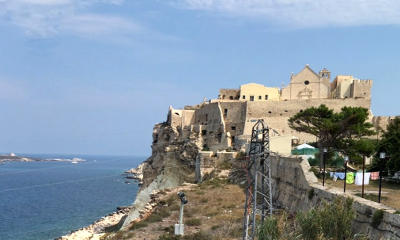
x,y
389,197
377,218
209,215
193,222
371,196
138,225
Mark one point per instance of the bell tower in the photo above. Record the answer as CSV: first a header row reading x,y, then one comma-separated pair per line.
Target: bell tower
x,y
324,73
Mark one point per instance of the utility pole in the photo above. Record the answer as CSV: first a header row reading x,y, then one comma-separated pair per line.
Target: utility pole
x,y
259,188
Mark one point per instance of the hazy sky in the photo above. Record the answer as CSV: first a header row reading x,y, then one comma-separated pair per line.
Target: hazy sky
x,y
94,76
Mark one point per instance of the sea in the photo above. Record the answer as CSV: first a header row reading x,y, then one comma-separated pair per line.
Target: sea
x,y
45,200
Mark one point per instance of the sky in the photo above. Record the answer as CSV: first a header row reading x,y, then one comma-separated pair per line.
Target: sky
x,y
94,76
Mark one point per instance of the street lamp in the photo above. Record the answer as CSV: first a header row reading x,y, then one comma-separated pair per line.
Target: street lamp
x,y
346,160
382,156
325,150
179,227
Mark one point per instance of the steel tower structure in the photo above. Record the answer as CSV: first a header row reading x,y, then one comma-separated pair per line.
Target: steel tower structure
x,y
259,190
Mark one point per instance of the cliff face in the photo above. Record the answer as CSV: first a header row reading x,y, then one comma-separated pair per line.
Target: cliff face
x,y
171,155
172,162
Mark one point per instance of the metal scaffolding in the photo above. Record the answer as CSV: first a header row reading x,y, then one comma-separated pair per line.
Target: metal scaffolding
x,y
259,190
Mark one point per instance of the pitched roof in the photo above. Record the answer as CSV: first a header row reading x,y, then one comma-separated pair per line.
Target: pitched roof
x,y
309,68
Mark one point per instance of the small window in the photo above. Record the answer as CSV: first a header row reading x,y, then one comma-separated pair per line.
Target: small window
x,y
223,96
231,97
251,98
266,97
225,112
203,132
244,97
219,137
233,127
306,82
259,97
206,117
269,112
286,110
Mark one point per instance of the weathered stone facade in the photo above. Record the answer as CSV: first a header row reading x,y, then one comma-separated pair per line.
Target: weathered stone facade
x,y
226,122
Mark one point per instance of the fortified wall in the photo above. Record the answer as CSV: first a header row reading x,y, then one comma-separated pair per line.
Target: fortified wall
x,y
296,188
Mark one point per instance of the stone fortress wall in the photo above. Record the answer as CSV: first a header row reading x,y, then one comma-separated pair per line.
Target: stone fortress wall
x,y
226,122
296,188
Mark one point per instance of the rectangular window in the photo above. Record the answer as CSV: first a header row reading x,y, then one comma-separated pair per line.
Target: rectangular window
x,y
259,97
233,127
266,97
251,98
203,132
225,112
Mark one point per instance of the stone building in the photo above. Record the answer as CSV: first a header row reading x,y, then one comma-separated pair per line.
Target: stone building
x,y
226,122
229,94
307,84
257,92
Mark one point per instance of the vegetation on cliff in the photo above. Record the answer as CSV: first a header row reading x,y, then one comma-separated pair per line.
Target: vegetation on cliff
x,y
329,221
342,131
390,144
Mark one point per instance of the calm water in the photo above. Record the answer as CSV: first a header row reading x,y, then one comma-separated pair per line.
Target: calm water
x,y
44,200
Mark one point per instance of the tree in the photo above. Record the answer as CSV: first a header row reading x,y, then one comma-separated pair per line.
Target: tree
x,y
390,144
341,131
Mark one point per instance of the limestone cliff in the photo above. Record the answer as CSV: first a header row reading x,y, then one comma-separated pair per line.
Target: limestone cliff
x,y
172,162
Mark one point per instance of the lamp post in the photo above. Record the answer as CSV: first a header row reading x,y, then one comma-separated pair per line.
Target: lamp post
x,y
179,227
346,160
382,156
325,150
363,175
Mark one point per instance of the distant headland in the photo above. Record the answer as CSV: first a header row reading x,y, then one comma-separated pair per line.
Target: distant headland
x,y
12,157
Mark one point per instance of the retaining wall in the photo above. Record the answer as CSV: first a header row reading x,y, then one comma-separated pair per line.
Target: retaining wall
x,y
296,188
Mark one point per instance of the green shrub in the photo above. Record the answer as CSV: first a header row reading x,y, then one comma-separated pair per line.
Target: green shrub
x,y
195,236
309,224
169,237
163,212
215,227
377,218
397,212
138,225
269,230
154,218
311,193
193,222
174,207
330,220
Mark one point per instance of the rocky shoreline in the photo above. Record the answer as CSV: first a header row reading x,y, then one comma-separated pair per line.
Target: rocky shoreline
x,y
135,174
97,229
